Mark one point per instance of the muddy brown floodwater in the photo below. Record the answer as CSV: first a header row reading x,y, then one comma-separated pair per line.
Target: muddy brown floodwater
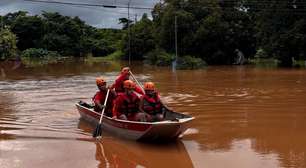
x,y
245,117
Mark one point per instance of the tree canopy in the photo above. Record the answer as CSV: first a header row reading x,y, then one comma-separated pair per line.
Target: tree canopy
x,y
68,36
211,30
7,44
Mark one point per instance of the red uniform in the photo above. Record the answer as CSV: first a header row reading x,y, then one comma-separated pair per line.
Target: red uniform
x,y
152,105
118,85
127,105
139,90
100,98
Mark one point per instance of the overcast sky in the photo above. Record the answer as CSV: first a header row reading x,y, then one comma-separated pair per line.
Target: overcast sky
x,y
95,16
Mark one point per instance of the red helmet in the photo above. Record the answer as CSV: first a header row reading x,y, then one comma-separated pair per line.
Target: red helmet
x,y
100,81
128,84
149,86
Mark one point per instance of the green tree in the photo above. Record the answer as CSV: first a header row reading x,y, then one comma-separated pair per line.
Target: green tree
x,y
7,44
280,28
205,29
10,18
69,36
125,23
142,39
28,29
62,33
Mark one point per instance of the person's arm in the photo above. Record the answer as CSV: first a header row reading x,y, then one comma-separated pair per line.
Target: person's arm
x,y
97,100
112,86
117,103
111,99
113,94
121,78
114,111
101,106
141,105
139,90
118,81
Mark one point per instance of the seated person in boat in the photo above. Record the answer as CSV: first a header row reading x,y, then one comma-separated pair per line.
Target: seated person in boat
x,y
126,104
124,75
99,97
150,103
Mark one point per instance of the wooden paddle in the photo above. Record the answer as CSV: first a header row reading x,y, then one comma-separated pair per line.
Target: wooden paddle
x,y
98,131
137,82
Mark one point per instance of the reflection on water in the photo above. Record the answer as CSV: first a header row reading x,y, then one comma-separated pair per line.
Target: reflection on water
x,y
245,117
114,153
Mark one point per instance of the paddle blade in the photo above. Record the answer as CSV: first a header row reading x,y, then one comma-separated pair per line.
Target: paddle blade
x,y
98,131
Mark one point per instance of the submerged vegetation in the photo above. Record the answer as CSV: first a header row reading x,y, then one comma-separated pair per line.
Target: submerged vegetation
x,y
208,32
38,53
159,57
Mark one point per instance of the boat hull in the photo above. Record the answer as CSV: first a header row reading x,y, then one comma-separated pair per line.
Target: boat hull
x,y
148,131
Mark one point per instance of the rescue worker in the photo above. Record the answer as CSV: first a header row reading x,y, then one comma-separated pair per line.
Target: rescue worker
x,y
124,75
99,97
150,103
126,104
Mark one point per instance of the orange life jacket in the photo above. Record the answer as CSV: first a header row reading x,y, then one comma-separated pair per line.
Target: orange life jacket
x,y
152,105
130,103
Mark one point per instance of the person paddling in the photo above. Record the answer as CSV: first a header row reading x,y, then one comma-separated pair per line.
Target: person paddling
x,y
99,97
126,104
124,75
150,103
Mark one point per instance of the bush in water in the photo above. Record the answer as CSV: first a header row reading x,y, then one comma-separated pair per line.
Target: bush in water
x,y
190,62
39,53
159,57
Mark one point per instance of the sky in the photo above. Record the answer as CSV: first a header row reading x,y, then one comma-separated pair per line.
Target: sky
x,y
95,16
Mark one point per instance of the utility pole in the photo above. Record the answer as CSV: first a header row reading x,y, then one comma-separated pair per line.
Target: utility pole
x,y
175,32
129,32
135,18
2,22
175,38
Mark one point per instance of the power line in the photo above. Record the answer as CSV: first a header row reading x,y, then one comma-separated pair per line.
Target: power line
x,y
87,4
106,10
259,5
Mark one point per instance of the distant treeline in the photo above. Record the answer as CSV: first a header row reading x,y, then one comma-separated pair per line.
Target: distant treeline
x,y
211,31
62,34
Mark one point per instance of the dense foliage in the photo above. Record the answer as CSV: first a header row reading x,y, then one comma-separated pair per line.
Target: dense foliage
x,y
65,35
159,57
7,44
281,29
208,31
142,39
214,29
38,53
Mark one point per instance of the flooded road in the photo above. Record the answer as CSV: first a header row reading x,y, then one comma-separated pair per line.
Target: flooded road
x,y
245,117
